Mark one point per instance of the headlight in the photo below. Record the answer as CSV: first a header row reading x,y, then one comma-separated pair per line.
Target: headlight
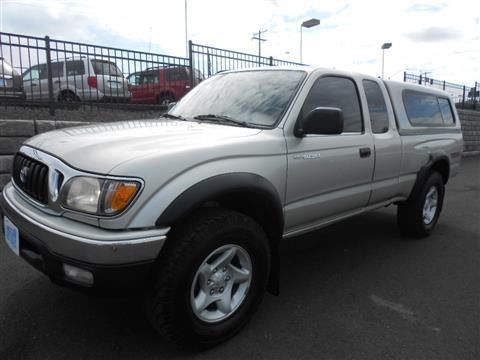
x,y
98,196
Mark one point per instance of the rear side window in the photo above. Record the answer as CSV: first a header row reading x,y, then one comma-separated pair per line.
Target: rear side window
x,y
422,109
177,74
338,92
103,67
446,110
376,107
75,67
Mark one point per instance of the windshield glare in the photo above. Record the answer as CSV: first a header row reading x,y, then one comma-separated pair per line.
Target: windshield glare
x,y
255,97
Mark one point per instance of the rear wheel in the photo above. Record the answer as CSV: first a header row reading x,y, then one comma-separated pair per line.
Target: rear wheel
x,y
210,278
418,216
68,97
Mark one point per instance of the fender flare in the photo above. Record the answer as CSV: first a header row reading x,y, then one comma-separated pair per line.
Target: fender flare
x,y
425,171
219,185
215,187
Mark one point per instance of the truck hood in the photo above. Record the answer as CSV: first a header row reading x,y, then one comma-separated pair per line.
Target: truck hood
x,y
100,148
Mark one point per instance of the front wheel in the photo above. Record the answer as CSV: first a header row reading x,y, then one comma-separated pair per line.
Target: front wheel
x,y
210,278
418,216
165,99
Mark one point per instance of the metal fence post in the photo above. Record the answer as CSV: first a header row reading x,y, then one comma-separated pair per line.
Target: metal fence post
x,y
475,96
190,60
271,60
49,77
404,76
444,85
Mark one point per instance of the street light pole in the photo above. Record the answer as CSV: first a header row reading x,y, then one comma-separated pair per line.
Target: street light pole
x,y
186,29
301,43
384,47
306,24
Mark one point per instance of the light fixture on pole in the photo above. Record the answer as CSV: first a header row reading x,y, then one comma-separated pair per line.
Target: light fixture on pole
x,y
306,24
385,46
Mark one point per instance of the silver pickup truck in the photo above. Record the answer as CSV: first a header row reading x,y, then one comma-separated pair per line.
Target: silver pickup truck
x,y
191,207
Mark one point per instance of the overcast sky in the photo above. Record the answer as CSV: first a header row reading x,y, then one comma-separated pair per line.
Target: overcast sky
x,y
441,37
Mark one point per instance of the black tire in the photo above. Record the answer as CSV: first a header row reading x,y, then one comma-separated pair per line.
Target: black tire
x,y
410,214
166,98
169,299
68,97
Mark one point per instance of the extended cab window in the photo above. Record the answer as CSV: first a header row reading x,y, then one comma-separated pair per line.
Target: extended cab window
x,y
376,107
338,92
422,109
446,110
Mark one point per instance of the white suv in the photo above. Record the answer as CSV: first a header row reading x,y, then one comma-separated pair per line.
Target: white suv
x,y
77,79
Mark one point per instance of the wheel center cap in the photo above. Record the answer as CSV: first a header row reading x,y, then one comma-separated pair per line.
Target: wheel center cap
x,y
218,279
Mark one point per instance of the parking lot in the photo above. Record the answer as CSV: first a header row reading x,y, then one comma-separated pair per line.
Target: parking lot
x,y
356,290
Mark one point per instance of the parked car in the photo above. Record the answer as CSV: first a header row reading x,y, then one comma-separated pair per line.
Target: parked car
x,y
161,85
77,79
192,207
10,81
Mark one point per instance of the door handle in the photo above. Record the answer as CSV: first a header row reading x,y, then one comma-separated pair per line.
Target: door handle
x,y
56,82
365,152
33,84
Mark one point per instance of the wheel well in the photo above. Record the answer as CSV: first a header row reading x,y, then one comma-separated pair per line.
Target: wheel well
x,y
443,168
258,207
65,92
262,210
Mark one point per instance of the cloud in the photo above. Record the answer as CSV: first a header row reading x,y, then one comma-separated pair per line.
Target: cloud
x,y
434,34
349,36
426,7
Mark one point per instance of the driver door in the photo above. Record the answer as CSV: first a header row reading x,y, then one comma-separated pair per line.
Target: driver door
x,y
329,176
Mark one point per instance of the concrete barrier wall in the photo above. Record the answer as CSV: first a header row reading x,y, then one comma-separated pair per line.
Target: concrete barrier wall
x,y
470,121
14,132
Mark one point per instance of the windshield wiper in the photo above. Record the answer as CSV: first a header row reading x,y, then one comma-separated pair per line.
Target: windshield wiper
x,y
221,119
170,116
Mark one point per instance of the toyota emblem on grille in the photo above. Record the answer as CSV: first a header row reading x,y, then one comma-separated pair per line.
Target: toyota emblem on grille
x,y
24,174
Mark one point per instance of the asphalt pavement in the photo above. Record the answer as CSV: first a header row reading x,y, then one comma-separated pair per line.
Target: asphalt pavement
x,y
355,290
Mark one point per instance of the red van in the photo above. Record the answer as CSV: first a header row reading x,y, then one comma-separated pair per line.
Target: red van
x,y
161,85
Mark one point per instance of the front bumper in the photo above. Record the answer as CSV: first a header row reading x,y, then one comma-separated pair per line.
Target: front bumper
x,y
115,258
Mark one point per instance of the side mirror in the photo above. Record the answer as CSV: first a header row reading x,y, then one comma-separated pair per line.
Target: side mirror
x,y
321,121
171,106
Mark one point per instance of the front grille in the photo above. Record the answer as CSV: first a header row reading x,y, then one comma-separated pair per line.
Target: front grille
x,y
32,177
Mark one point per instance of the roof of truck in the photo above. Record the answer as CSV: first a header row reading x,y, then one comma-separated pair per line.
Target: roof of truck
x,y
391,84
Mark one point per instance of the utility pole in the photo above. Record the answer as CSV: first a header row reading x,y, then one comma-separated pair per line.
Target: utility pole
x,y
425,73
258,36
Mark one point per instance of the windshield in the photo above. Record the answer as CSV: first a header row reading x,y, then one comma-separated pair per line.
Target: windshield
x,y
253,97
102,67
